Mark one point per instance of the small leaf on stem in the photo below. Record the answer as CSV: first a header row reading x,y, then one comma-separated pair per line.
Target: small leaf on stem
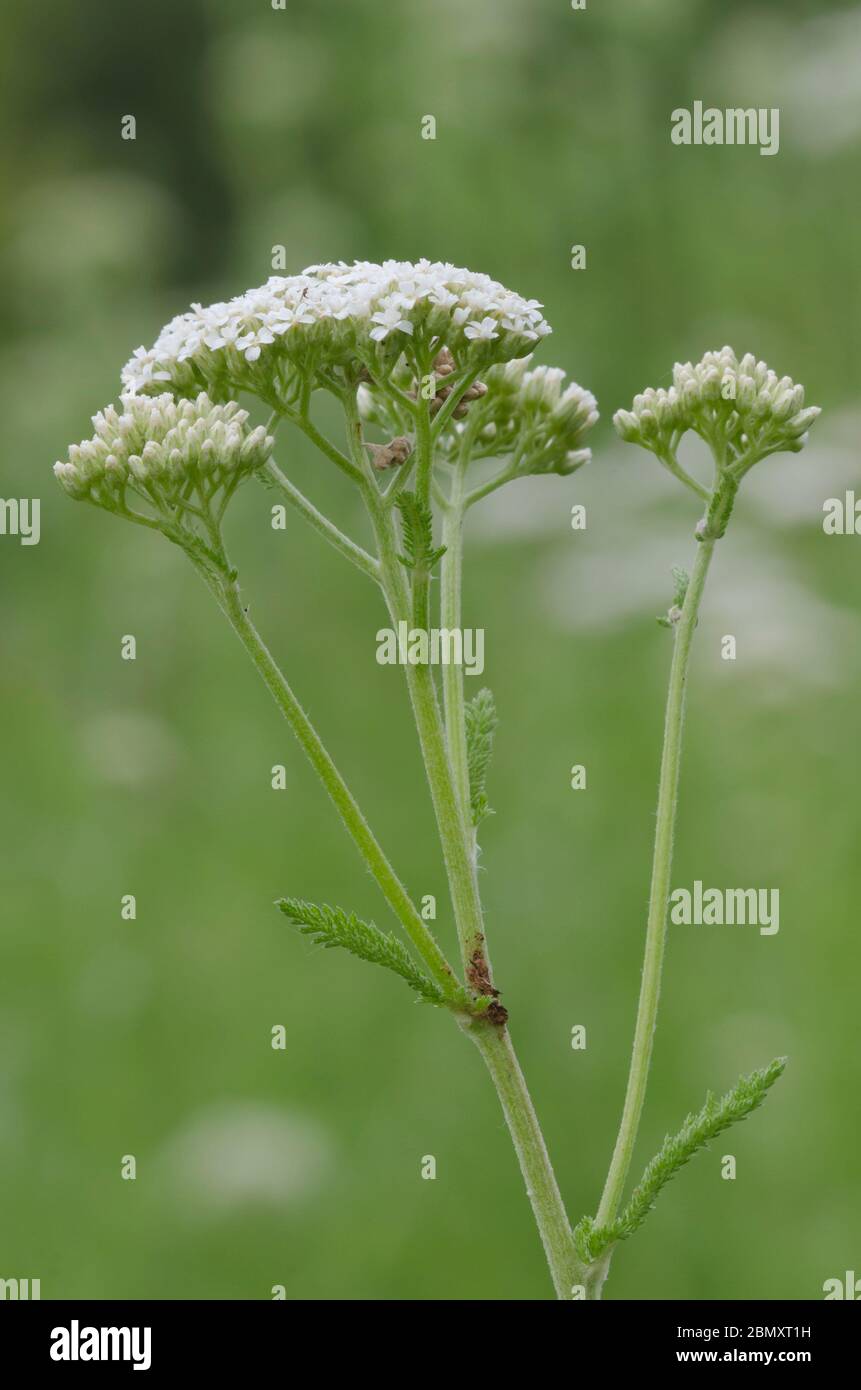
x,y
677,1150
331,926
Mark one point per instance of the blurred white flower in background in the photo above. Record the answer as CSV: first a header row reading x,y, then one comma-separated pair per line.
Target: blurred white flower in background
x,y
825,81
238,1153
127,749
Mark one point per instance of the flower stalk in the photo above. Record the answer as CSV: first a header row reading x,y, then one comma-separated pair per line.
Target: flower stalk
x,y
404,606
744,414
662,862
451,603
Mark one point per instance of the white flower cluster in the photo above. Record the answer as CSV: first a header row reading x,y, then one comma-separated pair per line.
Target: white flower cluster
x,y
159,447
336,315
531,413
742,402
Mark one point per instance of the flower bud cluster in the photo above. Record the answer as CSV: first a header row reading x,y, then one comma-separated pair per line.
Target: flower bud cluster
x,y
532,414
743,404
163,449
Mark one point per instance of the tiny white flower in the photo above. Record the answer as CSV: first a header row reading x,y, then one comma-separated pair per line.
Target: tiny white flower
x,y
484,331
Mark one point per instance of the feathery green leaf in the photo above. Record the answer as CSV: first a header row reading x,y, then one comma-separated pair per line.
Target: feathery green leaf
x,y
697,1131
417,532
681,580
481,724
331,926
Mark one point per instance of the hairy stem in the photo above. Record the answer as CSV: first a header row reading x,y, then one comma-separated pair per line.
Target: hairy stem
x,y
496,1048
347,547
455,396
491,1038
656,928
352,468
485,489
450,796
671,463
451,825
424,480
451,586
461,876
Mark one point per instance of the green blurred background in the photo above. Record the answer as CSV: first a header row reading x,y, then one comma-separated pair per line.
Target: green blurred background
x,y
256,1167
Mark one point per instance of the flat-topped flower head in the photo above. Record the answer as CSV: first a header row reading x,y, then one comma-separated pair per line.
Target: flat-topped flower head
x,y
741,408
531,414
295,329
165,452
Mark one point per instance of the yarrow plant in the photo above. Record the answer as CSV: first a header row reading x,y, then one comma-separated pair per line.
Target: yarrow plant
x,y
437,363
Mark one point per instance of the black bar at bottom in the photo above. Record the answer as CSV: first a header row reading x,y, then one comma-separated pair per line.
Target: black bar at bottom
x,y
154,1338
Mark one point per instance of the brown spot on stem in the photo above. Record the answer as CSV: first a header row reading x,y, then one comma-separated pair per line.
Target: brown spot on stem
x,y
478,972
478,976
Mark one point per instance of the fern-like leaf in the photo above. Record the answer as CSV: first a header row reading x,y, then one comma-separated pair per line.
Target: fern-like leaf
x,y
681,580
677,1150
417,532
331,926
481,724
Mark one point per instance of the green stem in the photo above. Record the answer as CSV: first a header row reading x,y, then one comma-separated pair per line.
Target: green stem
x,y
352,469
450,796
494,1043
396,487
359,830
496,1048
460,870
424,479
453,400
450,823
451,589
656,929
359,557
671,463
485,489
